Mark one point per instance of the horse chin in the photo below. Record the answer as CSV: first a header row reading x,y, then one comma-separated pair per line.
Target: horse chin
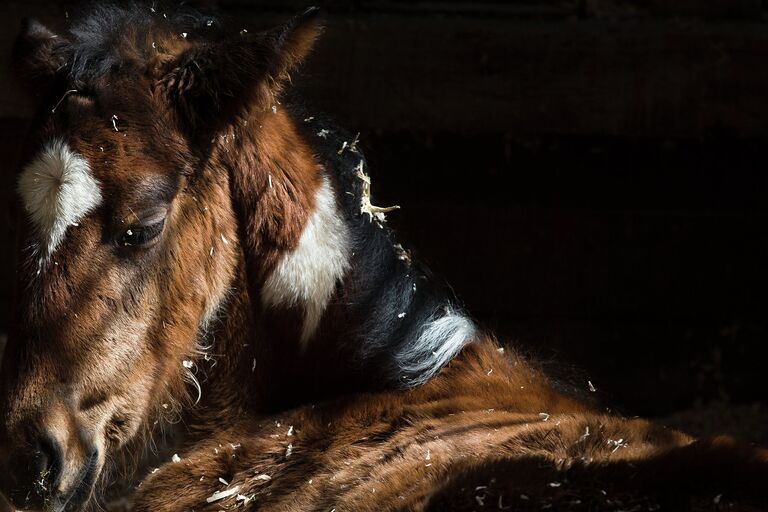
x,y
78,495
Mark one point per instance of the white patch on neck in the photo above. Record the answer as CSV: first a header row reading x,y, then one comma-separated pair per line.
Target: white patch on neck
x,y
439,341
309,273
58,190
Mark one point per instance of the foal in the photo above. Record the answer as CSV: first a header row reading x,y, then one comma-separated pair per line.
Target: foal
x,y
199,250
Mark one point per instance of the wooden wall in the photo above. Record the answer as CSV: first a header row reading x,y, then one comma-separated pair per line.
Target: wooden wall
x,y
589,174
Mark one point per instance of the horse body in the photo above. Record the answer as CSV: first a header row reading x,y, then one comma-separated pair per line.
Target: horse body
x,y
200,251
488,431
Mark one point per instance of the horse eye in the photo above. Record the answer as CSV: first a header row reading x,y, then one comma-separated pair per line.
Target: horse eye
x,y
137,236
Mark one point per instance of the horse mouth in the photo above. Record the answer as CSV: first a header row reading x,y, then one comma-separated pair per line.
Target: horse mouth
x,y
81,490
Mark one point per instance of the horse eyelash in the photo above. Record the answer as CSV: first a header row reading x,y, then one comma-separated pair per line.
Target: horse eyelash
x,y
143,234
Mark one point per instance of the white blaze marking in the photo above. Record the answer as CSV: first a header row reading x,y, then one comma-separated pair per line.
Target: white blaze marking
x,y
309,273
58,190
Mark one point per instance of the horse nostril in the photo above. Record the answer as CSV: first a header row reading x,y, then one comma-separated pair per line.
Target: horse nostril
x,y
51,474
33,474
93,456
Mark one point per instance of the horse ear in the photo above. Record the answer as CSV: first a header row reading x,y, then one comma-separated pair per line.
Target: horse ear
x,y
211,83
293,41
39,54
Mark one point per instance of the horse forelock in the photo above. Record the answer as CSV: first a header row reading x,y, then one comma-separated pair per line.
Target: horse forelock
x,y
112,35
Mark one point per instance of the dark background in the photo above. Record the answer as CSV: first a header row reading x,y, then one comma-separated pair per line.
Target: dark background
x,y
589,175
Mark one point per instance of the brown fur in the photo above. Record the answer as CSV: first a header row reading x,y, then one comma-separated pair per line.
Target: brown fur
x,y
95,360
440,446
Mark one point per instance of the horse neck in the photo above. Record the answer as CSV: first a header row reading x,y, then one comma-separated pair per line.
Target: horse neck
x,y
334,305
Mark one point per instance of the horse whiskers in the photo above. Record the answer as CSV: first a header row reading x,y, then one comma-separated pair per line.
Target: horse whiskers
x,y
129,464
190,378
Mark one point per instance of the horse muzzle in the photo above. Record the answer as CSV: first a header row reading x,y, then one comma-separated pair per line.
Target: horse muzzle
x,y
39,478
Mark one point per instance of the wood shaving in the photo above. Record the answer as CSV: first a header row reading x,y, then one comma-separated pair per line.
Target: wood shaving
x,y
220,495
366,207
244,499
350,146
402,254
584,435
618,443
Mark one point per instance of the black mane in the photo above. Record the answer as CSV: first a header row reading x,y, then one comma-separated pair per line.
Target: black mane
x,y
389,281
99,39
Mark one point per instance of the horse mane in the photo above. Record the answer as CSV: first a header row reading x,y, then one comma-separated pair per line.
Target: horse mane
x,y
385,269
110,34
